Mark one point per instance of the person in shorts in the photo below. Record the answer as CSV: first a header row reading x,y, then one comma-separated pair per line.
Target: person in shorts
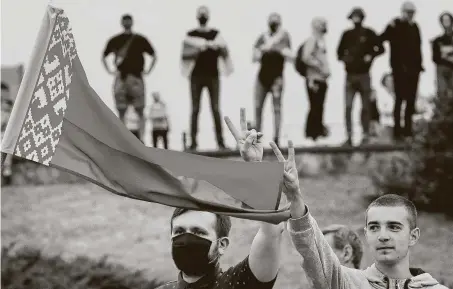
x,y
129,88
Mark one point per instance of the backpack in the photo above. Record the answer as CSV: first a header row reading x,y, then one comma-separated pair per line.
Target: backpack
x,y
299,64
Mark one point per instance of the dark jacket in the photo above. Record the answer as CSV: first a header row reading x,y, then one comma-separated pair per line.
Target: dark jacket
x,y
354,45
405,45
443,42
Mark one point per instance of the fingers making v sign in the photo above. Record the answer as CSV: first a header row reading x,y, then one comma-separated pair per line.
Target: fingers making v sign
x,y
249,141
291,178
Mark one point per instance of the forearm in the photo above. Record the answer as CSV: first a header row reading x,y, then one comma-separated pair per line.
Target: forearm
x,y
257,54
288,54
265,252
320,262
152,63
194,41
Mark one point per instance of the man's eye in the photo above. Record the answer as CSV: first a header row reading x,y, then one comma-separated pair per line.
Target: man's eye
x,y
394,228
373,228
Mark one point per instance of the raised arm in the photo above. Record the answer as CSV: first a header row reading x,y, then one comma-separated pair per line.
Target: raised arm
x,y
265,252
319,261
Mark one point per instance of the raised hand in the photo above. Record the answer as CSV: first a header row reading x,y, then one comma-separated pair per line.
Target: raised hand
x,y
291,178
249,141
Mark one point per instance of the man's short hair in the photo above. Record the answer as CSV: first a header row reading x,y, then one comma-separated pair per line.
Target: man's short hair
x,y
222,226
126,17
343,235
392,200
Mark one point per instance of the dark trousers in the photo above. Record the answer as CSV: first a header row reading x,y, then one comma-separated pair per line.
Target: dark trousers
x,y
197,83
406,85
160,134
358,83
314,127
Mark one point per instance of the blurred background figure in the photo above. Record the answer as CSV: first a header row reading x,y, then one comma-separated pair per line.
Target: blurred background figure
x,y
203,47
159,120
129,88
375,116
7,106
442,51
271,50
404,37
346,244
314,55
357,49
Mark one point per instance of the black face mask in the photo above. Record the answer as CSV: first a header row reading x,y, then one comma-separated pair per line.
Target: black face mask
x,y
203,19
273,26
191,254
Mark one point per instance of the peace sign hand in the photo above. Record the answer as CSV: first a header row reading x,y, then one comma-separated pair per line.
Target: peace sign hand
x,y
249,141
291,178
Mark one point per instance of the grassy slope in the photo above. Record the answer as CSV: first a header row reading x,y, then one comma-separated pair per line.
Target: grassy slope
x,y
85,220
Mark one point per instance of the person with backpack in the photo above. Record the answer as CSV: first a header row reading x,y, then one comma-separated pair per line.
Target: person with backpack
x,y
357,49
312,64
129,88
271,49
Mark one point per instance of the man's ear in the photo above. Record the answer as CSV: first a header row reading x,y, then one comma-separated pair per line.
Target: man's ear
x,y
347,253
223,245
415,235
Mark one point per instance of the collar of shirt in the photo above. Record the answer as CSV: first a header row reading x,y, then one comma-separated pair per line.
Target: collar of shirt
x,y
204,282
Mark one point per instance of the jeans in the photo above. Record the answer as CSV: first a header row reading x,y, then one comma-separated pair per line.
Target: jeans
x,y
358,83
261,92
197,83
162,134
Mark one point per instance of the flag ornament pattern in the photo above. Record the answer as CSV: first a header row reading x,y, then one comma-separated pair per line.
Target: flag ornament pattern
x,y
43,123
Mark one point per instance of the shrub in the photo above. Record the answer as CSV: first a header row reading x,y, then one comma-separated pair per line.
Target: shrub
x,y
423,174
29,268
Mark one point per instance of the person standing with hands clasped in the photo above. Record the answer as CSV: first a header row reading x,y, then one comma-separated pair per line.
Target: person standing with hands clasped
x,y
390,229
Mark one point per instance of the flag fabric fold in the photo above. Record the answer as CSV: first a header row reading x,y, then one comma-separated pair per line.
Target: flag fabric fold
x,y
58,120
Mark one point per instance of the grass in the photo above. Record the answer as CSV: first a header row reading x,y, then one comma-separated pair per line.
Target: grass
x,y
84,220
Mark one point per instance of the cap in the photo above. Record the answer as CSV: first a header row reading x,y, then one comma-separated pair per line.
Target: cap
x,y
408,6
126,17
357,11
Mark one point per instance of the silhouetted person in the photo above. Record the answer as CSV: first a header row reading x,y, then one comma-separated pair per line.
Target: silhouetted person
x,y
404,38
271,49
159,120
314,55
442,48
129,88
203,47
357,49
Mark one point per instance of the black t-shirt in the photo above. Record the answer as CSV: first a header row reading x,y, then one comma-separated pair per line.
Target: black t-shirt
x,y
206,63
237,277
134,61
272,62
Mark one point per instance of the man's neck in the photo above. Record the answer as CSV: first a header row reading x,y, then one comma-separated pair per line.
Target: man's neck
x,y
127,31
398,270
203,28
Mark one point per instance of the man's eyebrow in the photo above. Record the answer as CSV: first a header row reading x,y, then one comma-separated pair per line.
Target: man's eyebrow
x,y
196,228
372,223
395,223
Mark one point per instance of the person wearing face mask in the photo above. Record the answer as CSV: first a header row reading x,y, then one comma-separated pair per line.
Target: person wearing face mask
x,y
357,49
314,55
442,51
200,239
271,49
204,58
391,232
404,38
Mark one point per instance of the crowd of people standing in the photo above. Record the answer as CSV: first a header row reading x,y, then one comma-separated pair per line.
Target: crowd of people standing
x,y
205,58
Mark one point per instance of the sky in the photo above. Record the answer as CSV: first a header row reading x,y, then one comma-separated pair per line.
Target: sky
x,y
165,23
